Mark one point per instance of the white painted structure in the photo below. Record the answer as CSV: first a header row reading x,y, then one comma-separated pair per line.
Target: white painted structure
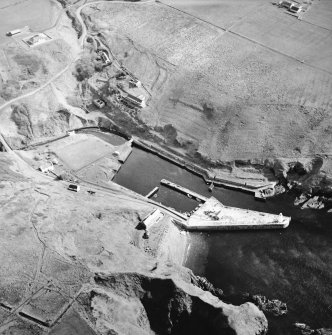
x,y
105,57
74,187
13,32
153,218
46,167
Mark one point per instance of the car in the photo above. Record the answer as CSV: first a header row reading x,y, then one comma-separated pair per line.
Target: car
x,y
99,103
285,4
294,8
74,187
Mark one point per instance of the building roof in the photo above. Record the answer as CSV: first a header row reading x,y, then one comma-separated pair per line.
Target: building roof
x,y
138,99
153,218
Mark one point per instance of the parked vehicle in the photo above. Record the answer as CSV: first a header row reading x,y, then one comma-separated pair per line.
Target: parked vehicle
x,y
295,8
74,187
285,4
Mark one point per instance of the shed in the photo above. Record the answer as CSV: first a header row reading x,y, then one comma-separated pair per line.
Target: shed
x,y
153,218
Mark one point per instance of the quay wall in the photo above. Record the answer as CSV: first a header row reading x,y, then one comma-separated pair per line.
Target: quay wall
x,y
193,168
213,226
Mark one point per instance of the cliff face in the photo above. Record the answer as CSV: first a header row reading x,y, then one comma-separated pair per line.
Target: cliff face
x,y
308,174
81,266
170,306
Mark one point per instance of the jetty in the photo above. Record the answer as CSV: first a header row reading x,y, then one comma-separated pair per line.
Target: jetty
x,y
153,192
181,189
213,215
123,151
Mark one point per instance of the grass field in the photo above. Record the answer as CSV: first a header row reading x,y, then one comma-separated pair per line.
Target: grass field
x,y
83,152
222,13
238,94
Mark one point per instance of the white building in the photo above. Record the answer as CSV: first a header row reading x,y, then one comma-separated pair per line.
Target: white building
x,y
105,57
153,218
46,167
139,101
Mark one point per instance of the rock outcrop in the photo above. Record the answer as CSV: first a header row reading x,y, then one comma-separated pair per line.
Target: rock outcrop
x,y
205,285
273,307
303,329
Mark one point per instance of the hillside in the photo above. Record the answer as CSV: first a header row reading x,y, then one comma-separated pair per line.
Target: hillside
x,y
74,262
234,95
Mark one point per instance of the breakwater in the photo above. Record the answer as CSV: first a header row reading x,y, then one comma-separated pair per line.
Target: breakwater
x,y
152,192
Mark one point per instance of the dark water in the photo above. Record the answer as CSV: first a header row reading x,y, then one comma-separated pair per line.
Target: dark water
x,y
293,265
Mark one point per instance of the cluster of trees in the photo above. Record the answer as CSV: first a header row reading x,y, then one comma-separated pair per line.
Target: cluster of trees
x,y
87,65
84,69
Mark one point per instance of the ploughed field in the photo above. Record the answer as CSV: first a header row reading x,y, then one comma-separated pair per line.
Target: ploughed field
x,y
241,79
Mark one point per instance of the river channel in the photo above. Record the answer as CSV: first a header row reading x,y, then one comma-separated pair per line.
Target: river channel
x,y
293,265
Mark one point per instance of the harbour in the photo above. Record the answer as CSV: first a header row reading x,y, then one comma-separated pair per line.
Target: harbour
x,y
272,262
278,263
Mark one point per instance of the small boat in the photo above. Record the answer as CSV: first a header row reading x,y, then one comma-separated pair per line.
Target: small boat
x,y
211,187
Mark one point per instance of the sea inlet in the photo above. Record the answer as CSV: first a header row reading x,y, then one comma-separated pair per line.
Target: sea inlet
x,y
293,265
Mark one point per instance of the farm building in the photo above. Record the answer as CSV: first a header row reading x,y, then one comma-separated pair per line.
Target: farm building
x,y
153,218
135,83
36,39
105,57
286,4
134,100
13,32
46,167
